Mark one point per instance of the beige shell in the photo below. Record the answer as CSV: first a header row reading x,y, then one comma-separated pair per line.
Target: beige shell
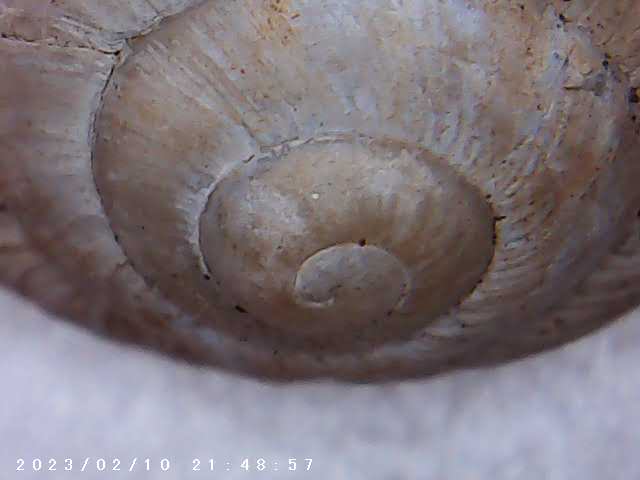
x,y
300,188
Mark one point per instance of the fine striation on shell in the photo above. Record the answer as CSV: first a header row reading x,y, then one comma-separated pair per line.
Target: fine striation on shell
x,y
302,188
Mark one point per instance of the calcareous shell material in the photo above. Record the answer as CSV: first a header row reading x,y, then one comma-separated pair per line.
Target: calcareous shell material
x,y
301,188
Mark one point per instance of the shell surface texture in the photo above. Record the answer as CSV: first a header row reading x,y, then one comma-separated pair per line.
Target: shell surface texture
x,y
304,188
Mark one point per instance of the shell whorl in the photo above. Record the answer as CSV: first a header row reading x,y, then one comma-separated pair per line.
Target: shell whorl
x,y
326,240
356,189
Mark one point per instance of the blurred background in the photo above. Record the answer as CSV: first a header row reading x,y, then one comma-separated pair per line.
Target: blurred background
x,y
572,413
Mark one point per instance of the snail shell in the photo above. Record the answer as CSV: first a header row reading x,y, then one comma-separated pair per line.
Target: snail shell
x,y
300,188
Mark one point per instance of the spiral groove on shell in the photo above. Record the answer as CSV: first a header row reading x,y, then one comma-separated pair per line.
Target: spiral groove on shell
x,y
357,189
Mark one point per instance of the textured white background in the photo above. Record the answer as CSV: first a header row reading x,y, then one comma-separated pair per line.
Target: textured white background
x,y
569,414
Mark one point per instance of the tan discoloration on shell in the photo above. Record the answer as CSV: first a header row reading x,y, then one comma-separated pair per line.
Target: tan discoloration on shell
x,y
529,103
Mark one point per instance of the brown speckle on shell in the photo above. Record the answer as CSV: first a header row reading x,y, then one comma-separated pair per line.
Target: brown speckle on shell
x,y
295,189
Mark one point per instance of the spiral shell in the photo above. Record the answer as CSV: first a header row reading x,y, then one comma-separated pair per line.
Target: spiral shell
x,y
298,188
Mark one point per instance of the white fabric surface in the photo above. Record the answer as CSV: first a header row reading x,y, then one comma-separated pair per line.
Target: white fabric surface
x,y
569,414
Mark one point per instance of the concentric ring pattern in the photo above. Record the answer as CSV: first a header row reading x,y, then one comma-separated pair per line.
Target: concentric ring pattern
x,y
365,189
